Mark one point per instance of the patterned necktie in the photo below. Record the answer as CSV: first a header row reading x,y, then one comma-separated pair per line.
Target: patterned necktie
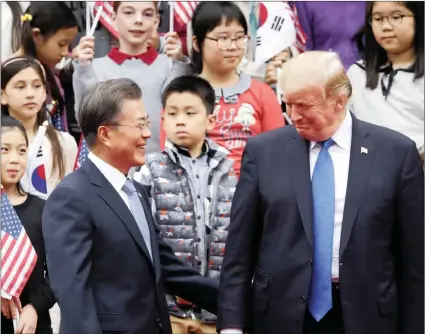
x,y
323,187
138,212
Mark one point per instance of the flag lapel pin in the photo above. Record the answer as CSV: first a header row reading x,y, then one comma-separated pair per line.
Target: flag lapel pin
x,y
363,150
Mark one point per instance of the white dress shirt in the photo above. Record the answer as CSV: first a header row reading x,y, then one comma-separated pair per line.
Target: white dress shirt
x,y
340,154
113,175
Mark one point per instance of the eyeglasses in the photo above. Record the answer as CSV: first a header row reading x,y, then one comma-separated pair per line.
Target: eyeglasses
x,y
393,19
225,43
141,126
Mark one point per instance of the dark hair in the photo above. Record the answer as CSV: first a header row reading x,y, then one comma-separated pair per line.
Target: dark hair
x,y
375,56
49,17
102,103
11,123
117,5
191,84
207,16
9,69
16,9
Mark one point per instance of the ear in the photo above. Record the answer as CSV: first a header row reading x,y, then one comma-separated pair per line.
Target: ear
x,y
113,17
195,45
4,98
341,102
37,36
157,19
211,122
104,136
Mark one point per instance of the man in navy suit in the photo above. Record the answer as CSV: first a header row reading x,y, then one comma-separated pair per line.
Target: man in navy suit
x,y
327,223
108,267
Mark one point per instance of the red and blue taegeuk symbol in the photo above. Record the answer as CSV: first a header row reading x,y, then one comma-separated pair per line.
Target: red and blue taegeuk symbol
x,y
38,179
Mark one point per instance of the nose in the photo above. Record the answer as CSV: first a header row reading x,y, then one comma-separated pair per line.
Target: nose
x,y
139,18
30,92
294,114
13,157
146,132
233,45
386,25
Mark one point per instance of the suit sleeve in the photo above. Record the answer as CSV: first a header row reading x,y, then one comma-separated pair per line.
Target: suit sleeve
x,y
241,248
410,221
68,237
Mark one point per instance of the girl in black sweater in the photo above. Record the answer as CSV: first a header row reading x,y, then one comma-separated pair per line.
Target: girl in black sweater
x,y
37,297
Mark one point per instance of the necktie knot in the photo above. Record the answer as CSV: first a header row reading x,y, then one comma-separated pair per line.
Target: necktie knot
x,y
129,187
327,143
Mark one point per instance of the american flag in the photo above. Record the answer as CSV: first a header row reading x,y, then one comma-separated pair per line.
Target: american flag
x,y
18,256
105,16
83,152
301,37
183,10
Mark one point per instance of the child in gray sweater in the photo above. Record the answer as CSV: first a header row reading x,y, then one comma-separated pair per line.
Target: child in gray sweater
x,y
136,22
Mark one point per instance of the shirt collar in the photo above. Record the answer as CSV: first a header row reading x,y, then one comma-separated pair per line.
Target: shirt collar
x,y
147,57
342,137
113,175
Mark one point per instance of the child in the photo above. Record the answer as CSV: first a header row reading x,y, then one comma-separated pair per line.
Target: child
x,y
23,92
48,28
136,22
37,297
193,184
388,84
245,107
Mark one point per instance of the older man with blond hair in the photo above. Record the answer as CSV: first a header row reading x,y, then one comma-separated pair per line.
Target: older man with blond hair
x,y
327,223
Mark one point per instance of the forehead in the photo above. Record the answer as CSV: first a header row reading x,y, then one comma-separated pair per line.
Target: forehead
x,y
132,111
226,26
12,136
310,94
27,74
384,7
185,99
67,34
139,5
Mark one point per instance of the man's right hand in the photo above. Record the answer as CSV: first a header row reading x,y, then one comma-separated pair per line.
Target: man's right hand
x,y
276,62
84,51
10,307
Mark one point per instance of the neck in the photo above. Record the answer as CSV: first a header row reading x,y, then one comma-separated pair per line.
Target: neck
x,y
402,59
196,151
219,79
123,168
29,123
131,49
12,193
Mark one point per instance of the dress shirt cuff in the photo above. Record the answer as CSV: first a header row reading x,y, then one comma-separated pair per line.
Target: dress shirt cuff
x,y
231,331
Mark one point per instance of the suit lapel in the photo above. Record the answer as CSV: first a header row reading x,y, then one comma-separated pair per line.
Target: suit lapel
x,y
117,205
361,156
151,223
298,151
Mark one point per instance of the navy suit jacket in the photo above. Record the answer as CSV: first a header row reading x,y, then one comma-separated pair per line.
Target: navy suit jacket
x,y
267,270
99,266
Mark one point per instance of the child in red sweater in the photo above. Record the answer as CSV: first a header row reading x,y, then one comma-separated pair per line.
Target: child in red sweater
x,y
244,107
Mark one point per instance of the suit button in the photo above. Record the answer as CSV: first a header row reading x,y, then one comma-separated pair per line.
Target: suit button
x,y
159,323
310,262
341,264
199,217
303,299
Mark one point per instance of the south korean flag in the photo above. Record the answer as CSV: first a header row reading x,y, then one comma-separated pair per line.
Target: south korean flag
x,y
276,30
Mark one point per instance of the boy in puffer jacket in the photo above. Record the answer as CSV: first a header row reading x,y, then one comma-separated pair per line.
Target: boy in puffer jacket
x,y
193,184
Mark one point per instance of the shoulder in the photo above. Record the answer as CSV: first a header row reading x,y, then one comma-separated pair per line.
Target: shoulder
x,y
357,68
37,204
259,86
66,140
267,139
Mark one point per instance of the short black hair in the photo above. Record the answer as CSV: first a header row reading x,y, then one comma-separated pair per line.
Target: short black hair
x,y
101,104
192,84
375,56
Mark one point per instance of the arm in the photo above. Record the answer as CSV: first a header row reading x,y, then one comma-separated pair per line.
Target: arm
x,y
83,78
241,248
306,22
68,237
271,113
70,150
410,228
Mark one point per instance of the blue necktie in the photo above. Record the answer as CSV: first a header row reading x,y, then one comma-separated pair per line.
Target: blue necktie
x,y
323,188
138,212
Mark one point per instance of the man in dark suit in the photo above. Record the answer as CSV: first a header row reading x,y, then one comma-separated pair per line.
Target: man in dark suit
x,y
327,223
108,268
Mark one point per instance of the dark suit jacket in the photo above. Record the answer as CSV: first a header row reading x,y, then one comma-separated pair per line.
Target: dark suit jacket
x,y
99,266
266,275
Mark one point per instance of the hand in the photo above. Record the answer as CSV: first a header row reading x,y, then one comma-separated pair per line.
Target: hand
x,y
276,62
154,41
84,51
10,307
173,46
27,320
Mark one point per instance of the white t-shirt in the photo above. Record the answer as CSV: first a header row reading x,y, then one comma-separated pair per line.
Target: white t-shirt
x,y
403,108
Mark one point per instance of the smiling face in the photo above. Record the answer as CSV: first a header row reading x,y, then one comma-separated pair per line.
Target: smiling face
x,y
135,22
14,150
214,57
24,94
393,26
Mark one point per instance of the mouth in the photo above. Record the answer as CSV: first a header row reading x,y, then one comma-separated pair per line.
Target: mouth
x,y
136,32
12,171
31,104
141,148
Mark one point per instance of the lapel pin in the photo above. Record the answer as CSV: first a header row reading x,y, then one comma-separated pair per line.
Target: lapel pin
x,y
139,195
363,150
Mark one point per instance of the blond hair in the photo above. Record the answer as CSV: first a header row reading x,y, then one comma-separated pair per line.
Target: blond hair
x,y
315,69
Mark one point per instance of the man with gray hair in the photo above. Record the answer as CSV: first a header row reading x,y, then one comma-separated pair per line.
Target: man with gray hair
x,y
327,226
107,265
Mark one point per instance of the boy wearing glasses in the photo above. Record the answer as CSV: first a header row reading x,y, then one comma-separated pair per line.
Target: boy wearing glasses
x,y
193,184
